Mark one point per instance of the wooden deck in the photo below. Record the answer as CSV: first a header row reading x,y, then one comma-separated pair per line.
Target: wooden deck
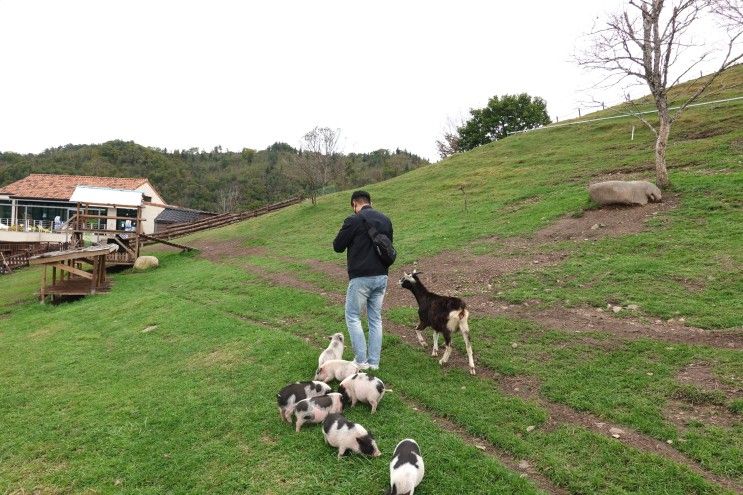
x,y
73,280
75,287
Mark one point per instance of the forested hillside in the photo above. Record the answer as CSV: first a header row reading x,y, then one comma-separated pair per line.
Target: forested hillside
x,y
214,180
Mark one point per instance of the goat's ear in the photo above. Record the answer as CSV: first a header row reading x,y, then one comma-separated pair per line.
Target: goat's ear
x,y
405,274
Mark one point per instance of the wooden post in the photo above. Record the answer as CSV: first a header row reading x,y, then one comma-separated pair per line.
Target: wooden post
x,y
42,294
54,276
632,136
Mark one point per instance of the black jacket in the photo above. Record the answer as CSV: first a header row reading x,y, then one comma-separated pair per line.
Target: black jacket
x,y
361,257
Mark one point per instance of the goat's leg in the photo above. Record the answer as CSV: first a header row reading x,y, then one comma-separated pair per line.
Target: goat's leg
x,y
447,351
419,335
466,335
435,351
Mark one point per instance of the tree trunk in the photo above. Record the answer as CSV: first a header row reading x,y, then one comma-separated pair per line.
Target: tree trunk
x,y
661,172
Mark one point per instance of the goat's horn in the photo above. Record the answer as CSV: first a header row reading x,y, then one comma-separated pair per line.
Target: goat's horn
x,y
405,273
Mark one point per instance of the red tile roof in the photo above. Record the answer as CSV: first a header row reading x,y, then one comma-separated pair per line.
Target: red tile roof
x,y
51,186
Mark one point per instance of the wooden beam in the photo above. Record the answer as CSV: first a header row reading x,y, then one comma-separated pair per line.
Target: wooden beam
x,y
116,239
72,269
163,241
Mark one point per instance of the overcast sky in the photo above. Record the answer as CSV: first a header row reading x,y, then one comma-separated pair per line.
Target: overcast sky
x,y
182,74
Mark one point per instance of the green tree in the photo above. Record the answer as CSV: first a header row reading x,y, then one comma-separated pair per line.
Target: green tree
x,y
501,117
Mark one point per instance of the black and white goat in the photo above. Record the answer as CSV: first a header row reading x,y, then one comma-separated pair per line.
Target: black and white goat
x,y
442,313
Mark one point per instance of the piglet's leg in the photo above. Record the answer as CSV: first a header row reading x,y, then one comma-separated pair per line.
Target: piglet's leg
x,y
341,451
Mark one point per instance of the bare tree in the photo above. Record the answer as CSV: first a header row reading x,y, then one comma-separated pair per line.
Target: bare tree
x,y
651,41
228,198
318,162
449,142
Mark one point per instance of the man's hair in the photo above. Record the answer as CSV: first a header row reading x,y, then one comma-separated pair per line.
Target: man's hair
x,y
361,195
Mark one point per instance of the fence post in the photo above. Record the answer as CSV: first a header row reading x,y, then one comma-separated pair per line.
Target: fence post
x,y
632,137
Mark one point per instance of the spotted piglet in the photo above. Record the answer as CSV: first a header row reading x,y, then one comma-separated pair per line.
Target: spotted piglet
x,y
335,369
406,468
316,409
288,396
333,351
341,433
361,387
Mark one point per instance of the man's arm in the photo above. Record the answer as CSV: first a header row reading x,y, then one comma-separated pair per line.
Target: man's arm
x,y
345,235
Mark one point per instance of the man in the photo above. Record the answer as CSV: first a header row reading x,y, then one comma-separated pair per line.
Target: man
x,y
367,277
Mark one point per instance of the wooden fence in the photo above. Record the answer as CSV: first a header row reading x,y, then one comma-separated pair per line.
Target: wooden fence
x,y
16,254
220,220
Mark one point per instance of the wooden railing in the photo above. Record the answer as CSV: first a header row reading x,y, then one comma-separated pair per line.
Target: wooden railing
x,y
220,220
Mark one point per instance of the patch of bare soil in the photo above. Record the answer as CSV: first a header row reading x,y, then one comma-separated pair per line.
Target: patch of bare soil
x,y
528,388
608,221
683,414
585,319
701,376
461,273
218,250
706,407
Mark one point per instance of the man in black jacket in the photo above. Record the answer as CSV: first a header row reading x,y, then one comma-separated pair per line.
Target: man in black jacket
x,y
367,277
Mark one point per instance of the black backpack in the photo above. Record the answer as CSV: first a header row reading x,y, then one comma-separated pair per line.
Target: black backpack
x,y
382,244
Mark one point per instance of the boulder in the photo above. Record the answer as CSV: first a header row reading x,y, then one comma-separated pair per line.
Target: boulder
x,y
619,192
146,262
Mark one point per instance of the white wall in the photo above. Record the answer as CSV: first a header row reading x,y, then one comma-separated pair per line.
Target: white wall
x,y
149,212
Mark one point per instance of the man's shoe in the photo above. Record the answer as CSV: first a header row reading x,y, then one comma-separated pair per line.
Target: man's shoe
x,y
361,366
373,367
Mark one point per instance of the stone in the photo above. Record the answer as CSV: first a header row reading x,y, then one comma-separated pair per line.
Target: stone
x,y
524,465
146,262
514,344
634,192
616,431
616,309
633,307
530,428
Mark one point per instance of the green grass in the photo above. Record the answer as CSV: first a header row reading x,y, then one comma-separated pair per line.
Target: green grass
x,y
90,402
20,286
627,383
189,405
689,263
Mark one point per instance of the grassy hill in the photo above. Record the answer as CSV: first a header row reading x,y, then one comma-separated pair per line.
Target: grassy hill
x,y
167,383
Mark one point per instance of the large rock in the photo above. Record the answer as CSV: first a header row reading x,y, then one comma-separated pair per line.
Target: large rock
x,y
619,192
146,262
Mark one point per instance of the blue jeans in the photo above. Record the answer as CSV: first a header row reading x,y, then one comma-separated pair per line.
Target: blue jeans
x,y
365,292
